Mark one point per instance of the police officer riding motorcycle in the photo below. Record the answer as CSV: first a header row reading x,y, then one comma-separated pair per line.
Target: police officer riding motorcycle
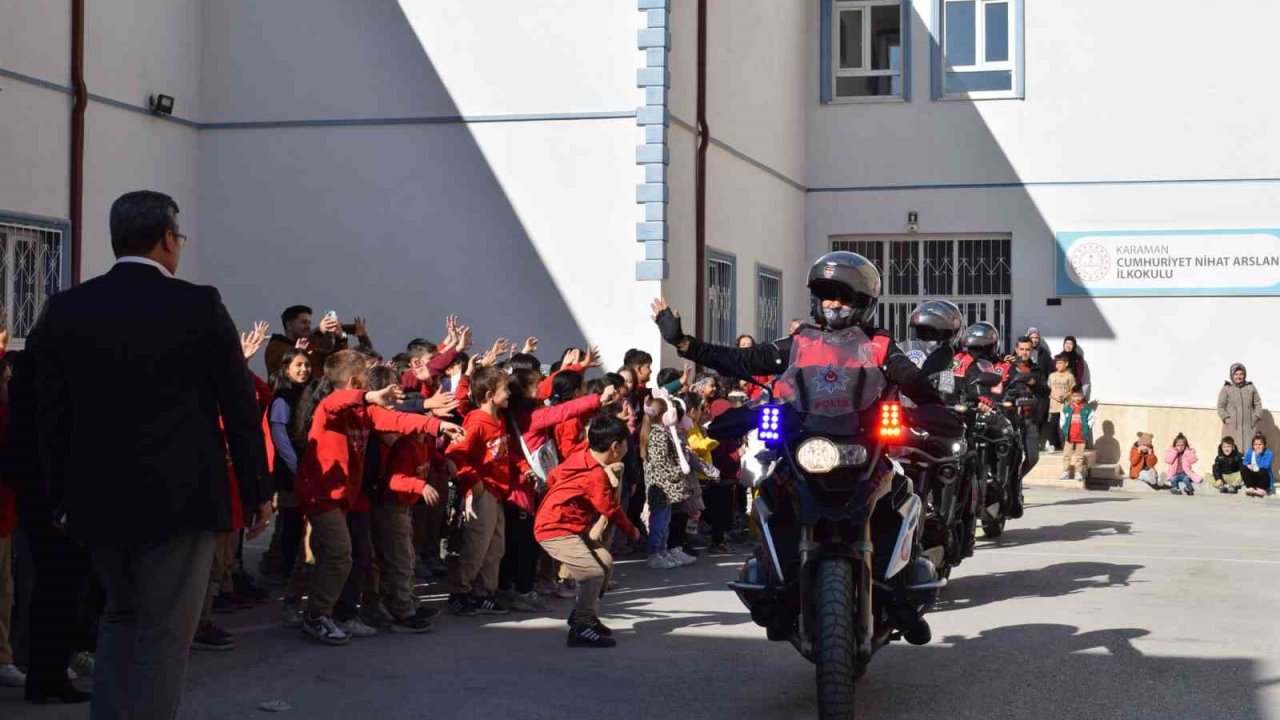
x,y
839,572
995,434
942,466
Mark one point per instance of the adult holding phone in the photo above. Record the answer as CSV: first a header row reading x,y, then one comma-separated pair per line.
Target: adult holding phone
x,y
319,341
140,460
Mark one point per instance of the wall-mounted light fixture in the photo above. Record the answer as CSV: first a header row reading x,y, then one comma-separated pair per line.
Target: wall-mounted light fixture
x,y
162,104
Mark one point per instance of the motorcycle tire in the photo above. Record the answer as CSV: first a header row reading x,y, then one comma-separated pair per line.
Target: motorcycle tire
x,y
836,646
993,529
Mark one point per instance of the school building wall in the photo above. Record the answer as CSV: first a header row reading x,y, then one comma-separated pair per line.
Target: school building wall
x,y
756,64
1111,135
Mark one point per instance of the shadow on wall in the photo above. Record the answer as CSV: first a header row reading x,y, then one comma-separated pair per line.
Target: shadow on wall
x,y
1107,446
401,222
1004,209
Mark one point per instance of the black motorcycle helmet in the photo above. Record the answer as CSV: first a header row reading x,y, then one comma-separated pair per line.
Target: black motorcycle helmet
x,y
981,338
937,321
847,277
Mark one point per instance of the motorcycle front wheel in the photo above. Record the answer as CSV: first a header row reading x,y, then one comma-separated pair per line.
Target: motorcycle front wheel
x,y
836,645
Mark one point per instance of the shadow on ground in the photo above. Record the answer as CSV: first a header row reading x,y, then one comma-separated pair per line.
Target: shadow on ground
x,y
1053,581
1075,531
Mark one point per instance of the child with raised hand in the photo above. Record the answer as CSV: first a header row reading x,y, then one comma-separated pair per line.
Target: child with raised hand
x,y
1227,467
1181,459
532,427
666,475
580,489
1256,470
485,477
341,413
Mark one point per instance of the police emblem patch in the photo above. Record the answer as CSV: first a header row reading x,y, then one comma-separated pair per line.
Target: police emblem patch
x,y
831,380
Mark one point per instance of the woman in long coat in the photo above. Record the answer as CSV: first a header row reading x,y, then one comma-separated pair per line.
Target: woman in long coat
x,y
1239,407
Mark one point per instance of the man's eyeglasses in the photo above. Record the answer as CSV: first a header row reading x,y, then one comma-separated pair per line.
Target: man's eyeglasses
x,y
181,237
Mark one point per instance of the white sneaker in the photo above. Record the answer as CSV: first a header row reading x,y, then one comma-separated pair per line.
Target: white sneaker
x,y
11,676
660,562
681,557
1065,476
672,559
1079,476
355,627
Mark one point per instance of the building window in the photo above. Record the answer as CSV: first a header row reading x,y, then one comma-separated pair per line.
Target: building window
x,y
31,269
768,304
978,49
869,57
721,298
975,272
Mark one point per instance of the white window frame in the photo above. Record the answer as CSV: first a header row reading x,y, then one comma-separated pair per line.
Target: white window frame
x,y
1013,65
865,6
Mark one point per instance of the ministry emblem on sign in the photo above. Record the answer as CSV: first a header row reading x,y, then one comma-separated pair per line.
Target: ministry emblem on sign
x,y
1090,261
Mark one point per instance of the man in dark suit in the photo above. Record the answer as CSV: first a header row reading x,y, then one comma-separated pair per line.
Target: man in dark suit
x,y
133,370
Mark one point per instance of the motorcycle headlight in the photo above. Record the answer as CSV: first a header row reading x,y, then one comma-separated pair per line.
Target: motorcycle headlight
x,y
818,455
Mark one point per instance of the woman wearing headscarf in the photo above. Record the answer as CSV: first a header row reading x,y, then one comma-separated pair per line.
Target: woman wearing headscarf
x,y
1077,365
1239,405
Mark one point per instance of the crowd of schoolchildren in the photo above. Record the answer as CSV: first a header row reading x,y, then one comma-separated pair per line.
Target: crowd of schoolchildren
x,y
514,487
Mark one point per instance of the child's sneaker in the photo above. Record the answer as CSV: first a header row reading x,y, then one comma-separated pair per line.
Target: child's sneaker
x,y
415,624
1065,476
324,630
1079,477
530,603
490,606
291,616
681,557
588,636
355,627
211,637
1191,490
462,605
11,676
1175,490
659,562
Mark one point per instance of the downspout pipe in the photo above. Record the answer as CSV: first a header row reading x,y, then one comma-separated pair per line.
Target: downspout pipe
x,y
81,100
700,180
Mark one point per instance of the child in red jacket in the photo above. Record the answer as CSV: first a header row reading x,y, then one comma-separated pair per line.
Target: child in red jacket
x,y
534,453
332,469
485,475
409,461
581,490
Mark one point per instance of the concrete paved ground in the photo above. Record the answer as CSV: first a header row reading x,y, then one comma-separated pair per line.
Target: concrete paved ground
x,y
1095,605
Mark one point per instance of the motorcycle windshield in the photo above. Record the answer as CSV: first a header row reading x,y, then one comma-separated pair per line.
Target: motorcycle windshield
x,y
833,377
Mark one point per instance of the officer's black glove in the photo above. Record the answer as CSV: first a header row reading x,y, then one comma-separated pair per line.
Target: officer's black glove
x,y
669,327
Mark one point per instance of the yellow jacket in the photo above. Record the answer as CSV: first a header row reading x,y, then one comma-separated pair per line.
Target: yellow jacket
x,y
702,446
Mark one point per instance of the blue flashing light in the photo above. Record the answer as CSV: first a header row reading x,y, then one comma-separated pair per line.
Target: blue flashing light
x,y
770,423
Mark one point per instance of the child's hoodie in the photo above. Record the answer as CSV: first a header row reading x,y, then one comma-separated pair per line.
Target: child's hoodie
x,y
1225,464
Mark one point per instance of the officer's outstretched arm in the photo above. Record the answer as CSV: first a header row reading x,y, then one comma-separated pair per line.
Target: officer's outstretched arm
x,y
744,363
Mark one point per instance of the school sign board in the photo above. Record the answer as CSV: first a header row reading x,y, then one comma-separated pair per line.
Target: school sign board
x,y
1141,263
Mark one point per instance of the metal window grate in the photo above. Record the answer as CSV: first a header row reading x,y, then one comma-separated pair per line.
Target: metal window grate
x,y
768,305
720,300
976,274
30,271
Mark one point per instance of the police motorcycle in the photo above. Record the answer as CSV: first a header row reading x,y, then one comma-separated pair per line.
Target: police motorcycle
x,y
839,571
942,466
994,437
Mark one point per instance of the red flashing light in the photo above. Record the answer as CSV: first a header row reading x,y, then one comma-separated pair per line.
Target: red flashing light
x,y
891,427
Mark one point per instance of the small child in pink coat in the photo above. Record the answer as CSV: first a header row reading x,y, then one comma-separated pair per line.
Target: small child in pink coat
x,y
1181,459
